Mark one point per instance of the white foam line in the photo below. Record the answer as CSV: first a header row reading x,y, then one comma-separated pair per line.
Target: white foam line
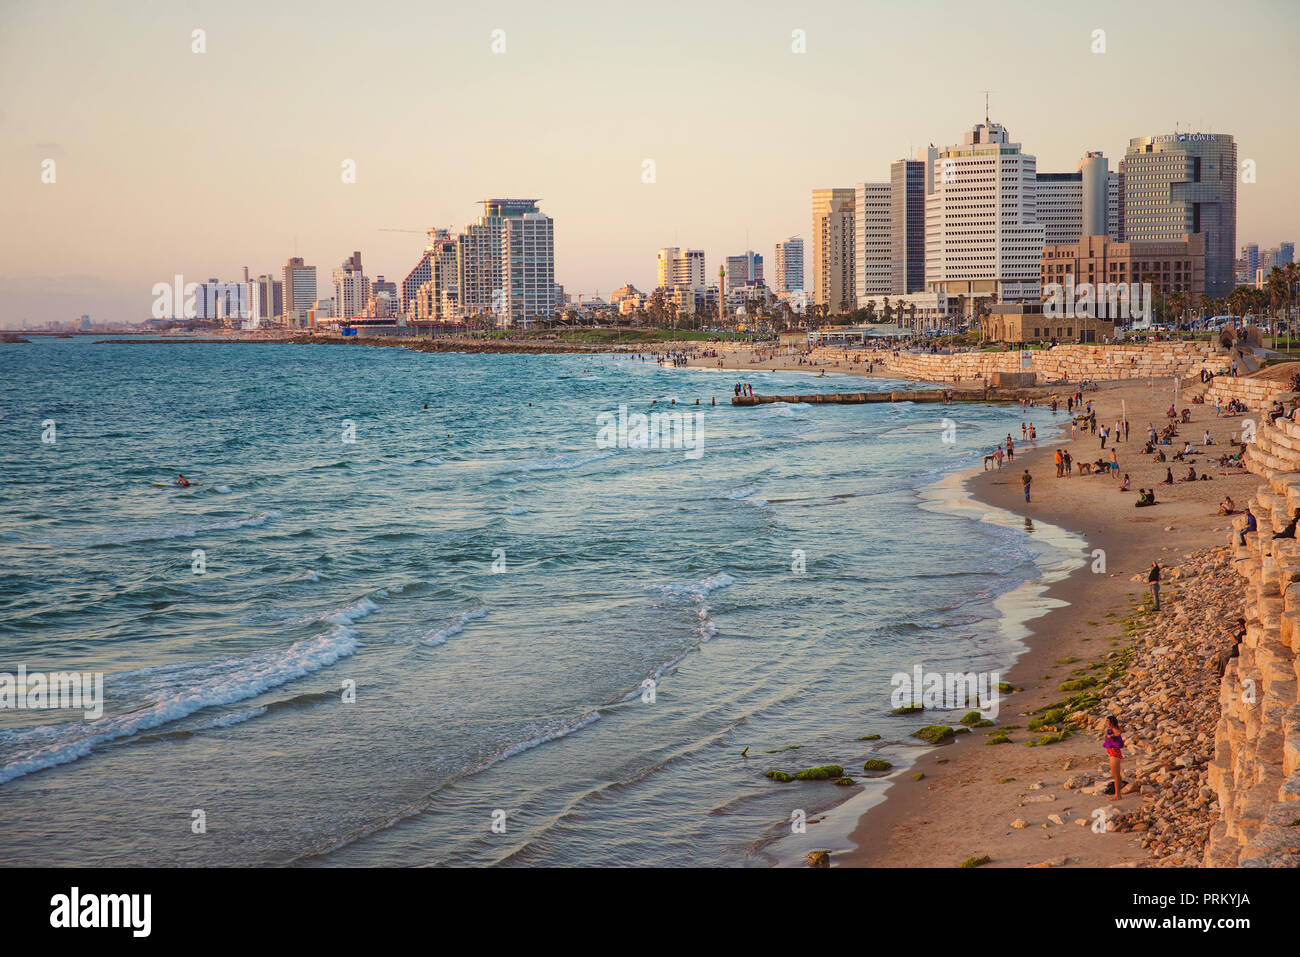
x,y
240,679
440,636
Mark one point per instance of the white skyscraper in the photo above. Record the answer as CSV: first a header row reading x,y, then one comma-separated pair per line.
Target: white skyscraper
x,y
787,267
351,288
871,239
664,266
982,234
680,267
529,268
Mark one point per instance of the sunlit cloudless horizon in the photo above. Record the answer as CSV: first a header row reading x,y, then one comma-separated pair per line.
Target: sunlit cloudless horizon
x,y
175,162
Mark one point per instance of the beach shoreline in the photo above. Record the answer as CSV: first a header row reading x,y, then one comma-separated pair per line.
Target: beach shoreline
x,y
954,803
966,801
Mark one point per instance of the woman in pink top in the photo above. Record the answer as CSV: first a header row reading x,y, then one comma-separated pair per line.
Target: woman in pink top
x,y
1114,745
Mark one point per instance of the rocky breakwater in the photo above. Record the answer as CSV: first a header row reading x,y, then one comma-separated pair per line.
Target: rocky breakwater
x,y
1167,700
1256,766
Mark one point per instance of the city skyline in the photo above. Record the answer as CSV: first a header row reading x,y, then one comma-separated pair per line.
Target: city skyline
x,y
203,163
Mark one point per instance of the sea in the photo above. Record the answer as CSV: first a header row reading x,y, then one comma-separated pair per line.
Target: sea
x,y
430,609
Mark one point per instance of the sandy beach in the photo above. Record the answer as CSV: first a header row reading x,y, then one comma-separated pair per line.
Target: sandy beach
x,y
1004,803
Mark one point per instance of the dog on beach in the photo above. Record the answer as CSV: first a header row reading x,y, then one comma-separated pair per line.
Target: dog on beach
x,y
989,461
1085,468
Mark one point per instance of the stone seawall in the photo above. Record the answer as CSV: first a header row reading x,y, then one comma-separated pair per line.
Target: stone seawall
x,y
1071,363
1256,766
1255,394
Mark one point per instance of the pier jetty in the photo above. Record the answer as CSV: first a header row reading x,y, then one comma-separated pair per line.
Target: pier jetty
x,y
857,398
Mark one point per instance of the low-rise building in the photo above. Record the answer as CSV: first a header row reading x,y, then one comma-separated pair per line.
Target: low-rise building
x,y
1169,265
1022,322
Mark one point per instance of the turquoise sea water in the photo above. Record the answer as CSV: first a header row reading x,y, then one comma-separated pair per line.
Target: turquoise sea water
x,y
481,696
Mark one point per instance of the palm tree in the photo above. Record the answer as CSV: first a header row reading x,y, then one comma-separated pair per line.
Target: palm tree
x,y
1277,290
1177,303
1157,298
1239,301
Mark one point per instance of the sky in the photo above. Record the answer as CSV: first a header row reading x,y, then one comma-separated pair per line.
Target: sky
x,y
168,161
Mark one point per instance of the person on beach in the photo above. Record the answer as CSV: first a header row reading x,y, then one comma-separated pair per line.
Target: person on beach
x,y
1114,745
1169,477
1124,486
1250,526
1011,451
1069,462
1289,531
997,454
1238,635
1227,506
1060,464
1153,579
1146,497
1027,479
1114,462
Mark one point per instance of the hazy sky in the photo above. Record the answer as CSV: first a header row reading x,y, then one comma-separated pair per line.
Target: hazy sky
x,y
169,161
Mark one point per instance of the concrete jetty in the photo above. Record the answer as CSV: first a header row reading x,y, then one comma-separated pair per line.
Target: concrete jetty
x,y
856,398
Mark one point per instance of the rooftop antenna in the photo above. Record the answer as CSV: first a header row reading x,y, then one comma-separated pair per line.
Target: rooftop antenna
x,y
986,106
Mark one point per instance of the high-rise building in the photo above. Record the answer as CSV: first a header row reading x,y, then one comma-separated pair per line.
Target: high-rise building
x,y
665,267
437,297
832,248
1285,253
1248,263
680,267
529,267
351,287
871,240
1179,183
1058,199
299,291
787,267
512,281
744,270
482,257
906,227
1094,196
266,299
419,274
982,234
689,270
1073,205
1115,206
